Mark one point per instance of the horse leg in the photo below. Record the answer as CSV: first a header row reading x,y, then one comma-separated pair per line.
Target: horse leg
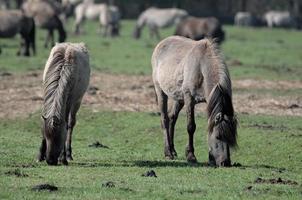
x,y
42,151
176,107
71,123
156,33
52,40
47,39
191,126
162,99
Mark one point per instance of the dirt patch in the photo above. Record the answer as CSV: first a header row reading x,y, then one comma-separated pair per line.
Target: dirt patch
x,y
46,186
266,126
150,173
16,172
97,144
21,95
275,181
108,184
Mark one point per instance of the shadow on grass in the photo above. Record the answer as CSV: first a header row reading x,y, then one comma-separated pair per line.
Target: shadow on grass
x,y
140,163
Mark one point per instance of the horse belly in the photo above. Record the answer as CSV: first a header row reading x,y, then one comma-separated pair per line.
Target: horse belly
x,y
9,32
171,82
92,13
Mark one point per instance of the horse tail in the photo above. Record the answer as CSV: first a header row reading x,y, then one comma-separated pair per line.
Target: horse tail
x,y
61,30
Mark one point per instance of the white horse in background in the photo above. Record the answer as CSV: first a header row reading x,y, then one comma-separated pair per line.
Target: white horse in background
x,y
156,18
108,16
280,19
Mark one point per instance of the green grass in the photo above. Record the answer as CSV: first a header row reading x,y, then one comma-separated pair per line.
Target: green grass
x,y
269,147
263,53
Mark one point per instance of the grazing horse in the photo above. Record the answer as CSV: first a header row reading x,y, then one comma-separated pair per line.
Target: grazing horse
x,y
199,28
13,22
46,16
156,18
190,72
65,80
244,19
280,19
108,16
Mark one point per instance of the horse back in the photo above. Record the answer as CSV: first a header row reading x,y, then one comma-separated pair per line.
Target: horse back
x,y
74,65
10,23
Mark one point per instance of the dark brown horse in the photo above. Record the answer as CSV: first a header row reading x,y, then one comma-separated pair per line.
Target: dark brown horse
x,y
13,22
46,16
189,72
199,28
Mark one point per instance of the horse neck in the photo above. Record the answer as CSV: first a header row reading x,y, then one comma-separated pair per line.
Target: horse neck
x,y
141,22
215,72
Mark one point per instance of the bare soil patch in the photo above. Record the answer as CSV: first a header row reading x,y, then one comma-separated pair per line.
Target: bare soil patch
x,y
275,181
21,95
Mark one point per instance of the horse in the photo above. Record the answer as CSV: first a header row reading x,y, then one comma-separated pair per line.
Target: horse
x,y
13,22
108,16
156,18
280,19
245,19
46,16
68,7
199,28
65,80
189,72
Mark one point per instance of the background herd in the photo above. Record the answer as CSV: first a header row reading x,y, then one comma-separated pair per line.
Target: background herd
x,y
53,15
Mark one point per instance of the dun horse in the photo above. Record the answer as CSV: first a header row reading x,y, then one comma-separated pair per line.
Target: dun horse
x,y
199,28
65,80
13,22
46,16
190,72
108,16
156,18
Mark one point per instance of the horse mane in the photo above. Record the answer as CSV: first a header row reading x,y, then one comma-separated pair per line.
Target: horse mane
x,y
57,83
220,107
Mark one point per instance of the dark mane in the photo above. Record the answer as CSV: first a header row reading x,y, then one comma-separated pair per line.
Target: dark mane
x,y
221,102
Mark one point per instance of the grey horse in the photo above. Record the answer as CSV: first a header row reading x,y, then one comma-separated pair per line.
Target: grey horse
x,y
156,18
189,72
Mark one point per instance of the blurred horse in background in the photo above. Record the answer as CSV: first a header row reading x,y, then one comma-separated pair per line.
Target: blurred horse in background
x,y
108,16
46,15
13,22
189,72
281,19
65,80
156,18
247,19
199,28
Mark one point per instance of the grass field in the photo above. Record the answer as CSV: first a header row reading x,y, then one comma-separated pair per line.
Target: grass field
x,y
269,146
251,53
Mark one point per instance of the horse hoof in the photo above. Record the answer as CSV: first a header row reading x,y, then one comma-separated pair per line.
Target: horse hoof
x,y
174,153
64,162
170,157
69,158
191,158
